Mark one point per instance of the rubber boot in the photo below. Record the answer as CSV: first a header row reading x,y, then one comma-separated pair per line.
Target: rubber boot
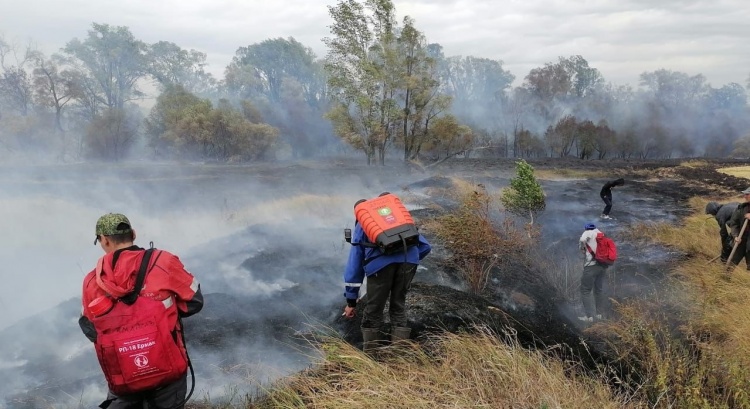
x,y
399,334
370,340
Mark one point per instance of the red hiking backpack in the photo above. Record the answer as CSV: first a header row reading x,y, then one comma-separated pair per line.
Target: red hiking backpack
x,y
606,251
137,344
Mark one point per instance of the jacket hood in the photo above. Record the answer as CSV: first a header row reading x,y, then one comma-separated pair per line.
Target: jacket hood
x,y
712,208
120,279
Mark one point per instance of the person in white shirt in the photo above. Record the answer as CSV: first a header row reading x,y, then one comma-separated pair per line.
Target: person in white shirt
x,y
592,279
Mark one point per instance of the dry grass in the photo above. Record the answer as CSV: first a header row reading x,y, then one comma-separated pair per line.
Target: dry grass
x,y
738,171
476,240
564,173
684,345
694,163
461,371
688,342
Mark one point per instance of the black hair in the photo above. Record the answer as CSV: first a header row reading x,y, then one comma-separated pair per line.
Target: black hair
x,y
126,237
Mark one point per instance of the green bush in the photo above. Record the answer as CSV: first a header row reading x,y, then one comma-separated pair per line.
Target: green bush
x,y
524,197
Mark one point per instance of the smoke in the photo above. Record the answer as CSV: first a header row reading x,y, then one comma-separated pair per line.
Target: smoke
x,y
265,242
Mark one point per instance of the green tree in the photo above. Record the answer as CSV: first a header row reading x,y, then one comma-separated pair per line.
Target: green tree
x,y
182,124
286,84
169,64
269,63
115,60
524,196
420,97
170,108
360,70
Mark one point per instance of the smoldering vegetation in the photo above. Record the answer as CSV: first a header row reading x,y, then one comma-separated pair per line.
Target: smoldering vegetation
x,y
266,244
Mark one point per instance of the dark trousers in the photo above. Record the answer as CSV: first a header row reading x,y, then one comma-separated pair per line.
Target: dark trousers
x,y
608,204
165,397
592,280
726,244
742,252
388,285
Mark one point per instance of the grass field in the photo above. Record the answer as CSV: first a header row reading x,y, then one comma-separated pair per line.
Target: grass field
x,y
739,171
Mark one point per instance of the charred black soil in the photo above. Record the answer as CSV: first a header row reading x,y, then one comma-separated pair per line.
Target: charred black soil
x,y
270,286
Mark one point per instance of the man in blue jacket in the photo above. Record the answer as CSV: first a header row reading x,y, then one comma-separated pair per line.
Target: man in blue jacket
x,y
388,279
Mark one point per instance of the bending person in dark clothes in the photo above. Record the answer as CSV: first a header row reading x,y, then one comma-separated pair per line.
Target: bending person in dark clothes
x,y
606,195
722,214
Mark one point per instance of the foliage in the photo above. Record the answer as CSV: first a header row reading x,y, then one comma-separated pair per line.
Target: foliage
x,y
528,144
361,64
687,342
479,370
184,124
110,136
54,86
273,61
524,196
447,138
477,241
741,148
285,83
115,60
169,64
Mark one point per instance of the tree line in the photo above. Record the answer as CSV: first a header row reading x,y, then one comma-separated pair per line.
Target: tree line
x,y
381,89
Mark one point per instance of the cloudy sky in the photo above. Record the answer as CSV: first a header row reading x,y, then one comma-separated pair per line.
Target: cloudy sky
x,y
622,38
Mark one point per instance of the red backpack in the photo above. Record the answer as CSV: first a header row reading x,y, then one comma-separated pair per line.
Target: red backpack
x,y
606,251
137,343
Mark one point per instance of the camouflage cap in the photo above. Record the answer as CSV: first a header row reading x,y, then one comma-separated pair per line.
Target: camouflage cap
x,y
111,224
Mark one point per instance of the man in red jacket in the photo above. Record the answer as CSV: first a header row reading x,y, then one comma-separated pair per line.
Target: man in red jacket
x,y
166,281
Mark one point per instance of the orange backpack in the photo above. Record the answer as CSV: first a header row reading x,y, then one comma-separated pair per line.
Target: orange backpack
x,y
387,223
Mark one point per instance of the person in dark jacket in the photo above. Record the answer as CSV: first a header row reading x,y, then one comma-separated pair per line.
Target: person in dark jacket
x,y
388,280
722,214
739,217
606,195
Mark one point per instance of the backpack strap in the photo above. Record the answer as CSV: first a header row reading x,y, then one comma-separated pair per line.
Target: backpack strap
x,y
130,297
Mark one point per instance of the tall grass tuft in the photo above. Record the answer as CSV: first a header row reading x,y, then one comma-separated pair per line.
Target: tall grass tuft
x,y
686,345
460,371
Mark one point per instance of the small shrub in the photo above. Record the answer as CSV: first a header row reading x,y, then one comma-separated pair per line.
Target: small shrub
x,y
479,243
525,196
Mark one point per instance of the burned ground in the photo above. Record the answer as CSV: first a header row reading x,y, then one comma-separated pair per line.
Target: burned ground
x,y
269,286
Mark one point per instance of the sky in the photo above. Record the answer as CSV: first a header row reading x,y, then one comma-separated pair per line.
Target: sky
x,y
621,38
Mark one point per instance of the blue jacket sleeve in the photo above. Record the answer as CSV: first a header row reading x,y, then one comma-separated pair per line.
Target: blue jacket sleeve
x,y
354,274
424,247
